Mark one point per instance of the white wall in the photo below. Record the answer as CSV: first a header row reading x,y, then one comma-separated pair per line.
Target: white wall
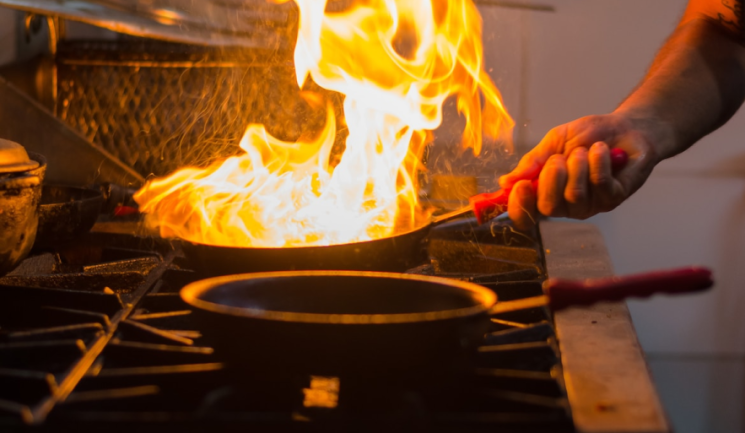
x,y
584,59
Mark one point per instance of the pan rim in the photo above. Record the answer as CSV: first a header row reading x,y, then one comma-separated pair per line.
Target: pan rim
x,y
485,298
427,225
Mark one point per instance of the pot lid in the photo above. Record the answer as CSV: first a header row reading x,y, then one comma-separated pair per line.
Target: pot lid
x,y
13,158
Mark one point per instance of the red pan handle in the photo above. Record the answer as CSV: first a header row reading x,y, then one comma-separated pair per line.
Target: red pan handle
x,y
489,205
566,293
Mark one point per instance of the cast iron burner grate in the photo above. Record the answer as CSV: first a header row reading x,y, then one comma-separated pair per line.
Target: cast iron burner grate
x,y
94,336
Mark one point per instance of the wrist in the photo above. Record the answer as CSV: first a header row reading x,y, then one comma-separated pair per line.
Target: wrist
x,y
655,131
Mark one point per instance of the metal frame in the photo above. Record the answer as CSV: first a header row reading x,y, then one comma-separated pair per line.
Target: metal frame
x,y
218,23
75,160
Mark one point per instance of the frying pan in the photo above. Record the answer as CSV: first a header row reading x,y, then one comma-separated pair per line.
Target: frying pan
x,y
395,253
373,324
66,212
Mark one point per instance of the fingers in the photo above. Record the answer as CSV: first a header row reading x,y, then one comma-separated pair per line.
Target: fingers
x,y
521,205
528,168
552,183
525,203
573,165
564,188
531,163
576,192
639,166
601,176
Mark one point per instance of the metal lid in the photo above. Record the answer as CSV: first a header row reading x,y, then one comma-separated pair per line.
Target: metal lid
x,y
13,158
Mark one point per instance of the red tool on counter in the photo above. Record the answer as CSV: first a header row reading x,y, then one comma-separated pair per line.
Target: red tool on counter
x,y
489,205
560,294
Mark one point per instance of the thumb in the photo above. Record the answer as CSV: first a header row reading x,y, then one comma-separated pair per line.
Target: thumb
x,y
529,167
636,172
532,163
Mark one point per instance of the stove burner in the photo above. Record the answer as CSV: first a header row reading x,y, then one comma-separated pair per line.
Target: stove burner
x,y
95,335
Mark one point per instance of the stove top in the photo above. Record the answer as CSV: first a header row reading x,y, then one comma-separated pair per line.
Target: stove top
x,y
94,335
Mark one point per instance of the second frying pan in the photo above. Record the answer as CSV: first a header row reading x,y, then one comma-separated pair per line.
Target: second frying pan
x,y
377,324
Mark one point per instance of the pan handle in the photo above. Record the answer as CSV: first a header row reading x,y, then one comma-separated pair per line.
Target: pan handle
x,y
489,205
565,293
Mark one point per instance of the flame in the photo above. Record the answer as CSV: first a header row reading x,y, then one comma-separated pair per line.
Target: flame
x,y
395,62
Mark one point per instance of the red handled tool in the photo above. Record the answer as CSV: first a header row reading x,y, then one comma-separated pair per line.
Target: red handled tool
x,y
121,211
560,294
488,205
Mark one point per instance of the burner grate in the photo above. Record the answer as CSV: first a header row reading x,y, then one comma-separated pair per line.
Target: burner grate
x,y
130,357
59,333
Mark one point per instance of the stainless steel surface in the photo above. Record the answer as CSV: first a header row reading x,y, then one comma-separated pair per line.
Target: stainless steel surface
x,y
160,106
245,23
36,78
608,382
71,158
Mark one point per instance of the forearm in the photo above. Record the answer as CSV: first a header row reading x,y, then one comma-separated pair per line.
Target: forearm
x,y
696,84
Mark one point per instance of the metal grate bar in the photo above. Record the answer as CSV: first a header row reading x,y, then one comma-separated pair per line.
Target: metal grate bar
x,y
77,371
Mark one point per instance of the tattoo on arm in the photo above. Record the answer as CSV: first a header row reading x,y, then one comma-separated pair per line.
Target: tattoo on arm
x,y
735,22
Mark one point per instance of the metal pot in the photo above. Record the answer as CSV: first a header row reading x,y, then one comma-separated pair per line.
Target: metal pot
x,y
21,175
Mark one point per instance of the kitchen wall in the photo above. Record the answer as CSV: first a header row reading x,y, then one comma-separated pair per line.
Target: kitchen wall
x,y
584,59
7,35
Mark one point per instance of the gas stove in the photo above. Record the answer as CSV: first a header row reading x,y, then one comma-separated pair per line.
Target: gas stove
x,y
94,335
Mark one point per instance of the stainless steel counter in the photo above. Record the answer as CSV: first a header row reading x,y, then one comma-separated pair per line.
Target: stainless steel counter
x,y
608,382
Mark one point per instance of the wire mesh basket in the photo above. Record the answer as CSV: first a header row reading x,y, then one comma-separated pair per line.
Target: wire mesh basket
x,y
160,106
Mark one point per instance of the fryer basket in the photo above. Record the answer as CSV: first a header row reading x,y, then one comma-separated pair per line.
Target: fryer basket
x,y
159,106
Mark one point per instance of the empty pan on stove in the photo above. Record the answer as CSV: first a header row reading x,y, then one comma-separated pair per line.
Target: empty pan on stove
x,y
371,324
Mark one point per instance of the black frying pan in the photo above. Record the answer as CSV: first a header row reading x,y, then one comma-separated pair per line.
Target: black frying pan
x,y
372,324
65,213
396,253
392,254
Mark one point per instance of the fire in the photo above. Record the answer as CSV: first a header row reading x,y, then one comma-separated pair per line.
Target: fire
x,y
395,62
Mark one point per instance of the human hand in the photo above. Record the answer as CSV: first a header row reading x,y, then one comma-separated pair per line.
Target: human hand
x,y
573,165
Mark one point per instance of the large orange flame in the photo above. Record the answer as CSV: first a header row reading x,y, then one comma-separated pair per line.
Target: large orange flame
x,y
395,61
